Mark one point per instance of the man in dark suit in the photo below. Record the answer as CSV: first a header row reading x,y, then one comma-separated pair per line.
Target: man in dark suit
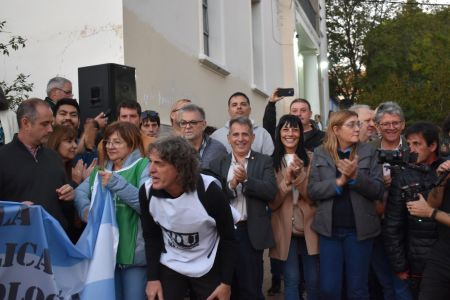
x,y
251,184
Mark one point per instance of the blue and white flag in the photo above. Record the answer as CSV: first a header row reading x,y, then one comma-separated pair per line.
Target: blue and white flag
x,y
38,261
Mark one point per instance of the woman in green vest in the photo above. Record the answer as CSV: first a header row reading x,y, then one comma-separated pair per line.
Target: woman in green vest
x,y
124,171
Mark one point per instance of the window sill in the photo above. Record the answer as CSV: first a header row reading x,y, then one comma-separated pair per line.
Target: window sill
x,y
259,91
210,64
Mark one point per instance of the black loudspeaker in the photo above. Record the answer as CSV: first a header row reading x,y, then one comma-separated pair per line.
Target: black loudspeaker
x,y
102,87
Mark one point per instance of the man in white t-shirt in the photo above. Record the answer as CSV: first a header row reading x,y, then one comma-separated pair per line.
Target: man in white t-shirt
x,y
187,226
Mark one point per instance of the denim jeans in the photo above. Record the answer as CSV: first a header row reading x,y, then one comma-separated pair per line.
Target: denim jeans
x,y
292,271
382,269
393,287
343,250
130,283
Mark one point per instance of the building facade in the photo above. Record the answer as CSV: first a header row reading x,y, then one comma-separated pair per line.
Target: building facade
x,y
203,50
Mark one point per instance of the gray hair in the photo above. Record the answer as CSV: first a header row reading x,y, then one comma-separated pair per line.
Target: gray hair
x,y
56,83
28,109
357,107
178,152
191,108
389,107
242,121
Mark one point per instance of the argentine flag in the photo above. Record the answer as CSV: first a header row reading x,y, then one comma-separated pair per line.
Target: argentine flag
x,y
38,261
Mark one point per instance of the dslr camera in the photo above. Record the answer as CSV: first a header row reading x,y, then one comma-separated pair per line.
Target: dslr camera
x,y
411,192
402,157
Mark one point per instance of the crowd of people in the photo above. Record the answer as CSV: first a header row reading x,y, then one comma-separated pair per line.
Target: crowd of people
x,y
357,209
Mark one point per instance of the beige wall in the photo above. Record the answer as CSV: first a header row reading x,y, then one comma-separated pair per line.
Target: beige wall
x,y
165,48
163,41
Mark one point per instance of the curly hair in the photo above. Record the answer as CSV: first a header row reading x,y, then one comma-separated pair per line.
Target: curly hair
x,y
178,152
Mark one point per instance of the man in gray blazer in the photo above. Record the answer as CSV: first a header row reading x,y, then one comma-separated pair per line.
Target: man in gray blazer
x,y
251,184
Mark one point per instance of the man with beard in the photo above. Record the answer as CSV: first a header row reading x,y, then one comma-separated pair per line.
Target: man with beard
x,y
31,173
67,113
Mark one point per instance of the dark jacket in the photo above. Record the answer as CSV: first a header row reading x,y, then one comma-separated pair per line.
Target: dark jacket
x,y
24,178
367,188
313,138
51,104
408,239
213,149
259,189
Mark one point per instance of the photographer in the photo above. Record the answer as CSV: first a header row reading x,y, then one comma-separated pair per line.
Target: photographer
x,y
436,277
409,239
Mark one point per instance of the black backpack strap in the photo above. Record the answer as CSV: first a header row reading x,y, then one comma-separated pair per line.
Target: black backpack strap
x,y
202,195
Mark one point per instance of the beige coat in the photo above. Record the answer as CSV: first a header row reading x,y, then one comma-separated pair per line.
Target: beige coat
x,y
282,211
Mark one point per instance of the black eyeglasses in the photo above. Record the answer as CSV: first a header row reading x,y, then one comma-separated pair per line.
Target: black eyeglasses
x,y
191,123
149,114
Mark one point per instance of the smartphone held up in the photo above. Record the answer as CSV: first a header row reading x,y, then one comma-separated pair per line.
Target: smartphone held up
x,y
285,92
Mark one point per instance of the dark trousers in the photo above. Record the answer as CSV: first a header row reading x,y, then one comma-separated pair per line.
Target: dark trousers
x,y
436,277
175,285
248,275
436,281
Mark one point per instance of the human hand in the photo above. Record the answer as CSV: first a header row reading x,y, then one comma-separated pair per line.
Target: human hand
x,y
341,180
106,176
90,131
347,167
102,120
444,167
77,171
297,166
222,292
274,97
87,170
65,193
29,203
419,208
379,207
403,275
240,174
153,290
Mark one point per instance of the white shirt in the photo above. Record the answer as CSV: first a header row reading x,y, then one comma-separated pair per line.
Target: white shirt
x,y
239,202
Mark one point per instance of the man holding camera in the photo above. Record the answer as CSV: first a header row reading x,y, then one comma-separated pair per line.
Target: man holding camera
x,y
408,239
436,277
